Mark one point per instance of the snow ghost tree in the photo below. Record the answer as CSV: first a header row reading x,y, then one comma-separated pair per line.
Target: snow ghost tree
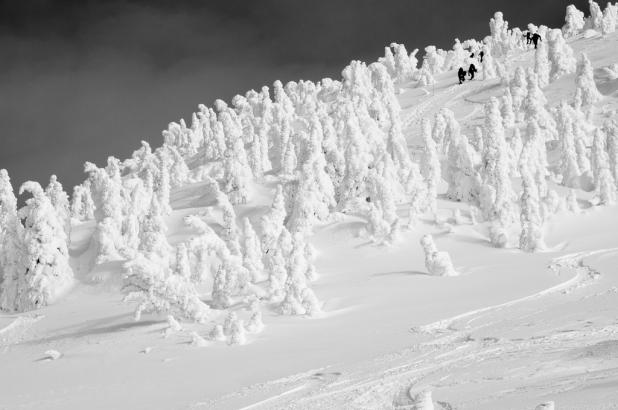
x,y
430,166
531,238
60,201
497,192
569,167
437,262
595,21
541,64
45,269
586,87
574,20
11,231
560,54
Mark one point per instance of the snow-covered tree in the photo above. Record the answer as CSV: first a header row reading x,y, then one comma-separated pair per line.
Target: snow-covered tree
x,y
11,230
430,166
560,54
252,251
45,273
149,283
595,21
574,20
497,192
569,167
608,22
586,87
464,182
437,262
531,238
542,65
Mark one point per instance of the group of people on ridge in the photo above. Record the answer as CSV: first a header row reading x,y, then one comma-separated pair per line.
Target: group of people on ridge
x,y
531,38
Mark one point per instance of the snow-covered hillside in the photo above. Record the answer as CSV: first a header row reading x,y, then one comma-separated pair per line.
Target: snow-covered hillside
x,y
392,240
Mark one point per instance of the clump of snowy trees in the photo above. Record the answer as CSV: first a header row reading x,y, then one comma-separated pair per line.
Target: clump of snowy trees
x,y
325,149
34,257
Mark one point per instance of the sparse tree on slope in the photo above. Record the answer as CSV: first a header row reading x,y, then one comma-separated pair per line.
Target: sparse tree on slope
x,y
11,248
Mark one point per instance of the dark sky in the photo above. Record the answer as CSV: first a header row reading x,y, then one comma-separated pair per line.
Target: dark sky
x,y
81,80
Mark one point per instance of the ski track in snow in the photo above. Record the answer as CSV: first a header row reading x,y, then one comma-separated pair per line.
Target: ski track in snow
x,y
372,384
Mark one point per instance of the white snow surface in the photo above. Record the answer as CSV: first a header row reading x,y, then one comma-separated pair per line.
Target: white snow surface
x,y
512,331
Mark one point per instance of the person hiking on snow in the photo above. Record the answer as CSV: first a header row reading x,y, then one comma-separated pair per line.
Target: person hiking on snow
x,y
481,54
462,75
471,71
536,37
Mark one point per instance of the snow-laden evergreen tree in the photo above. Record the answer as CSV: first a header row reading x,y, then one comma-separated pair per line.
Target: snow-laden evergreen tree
x,y
586,87
433,61
537,155
464,182
571,202
488,64
542,66
255,323
60,201
610,128
608,22
11,247
273,221
560,54
252,251
45,273
574,20
430,166
531,237
229,232
519,89
515,148
183,264
595,21
569,167
497,193
150,283
535,108
598,155
403,65
506,109
153,242
437,262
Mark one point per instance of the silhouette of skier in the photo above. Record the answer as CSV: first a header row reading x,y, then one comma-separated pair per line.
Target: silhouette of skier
x,y
536,37
528,38
471,71
462,75
481,54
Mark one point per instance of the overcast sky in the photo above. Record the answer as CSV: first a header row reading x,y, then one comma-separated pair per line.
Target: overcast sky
x,y
81,80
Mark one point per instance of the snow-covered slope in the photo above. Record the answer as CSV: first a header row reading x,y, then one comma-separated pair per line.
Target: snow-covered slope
x,y
511,330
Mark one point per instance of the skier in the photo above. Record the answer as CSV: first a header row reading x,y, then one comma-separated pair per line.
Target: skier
x,y
481,54
528,38
462,75
536,37
471,71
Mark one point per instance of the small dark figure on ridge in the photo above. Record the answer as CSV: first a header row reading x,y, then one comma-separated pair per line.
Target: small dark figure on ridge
x,y
462,75
528,38
481,54
471,71
536,37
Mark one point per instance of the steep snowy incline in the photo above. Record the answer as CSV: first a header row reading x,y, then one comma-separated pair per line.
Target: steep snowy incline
x,y
513,330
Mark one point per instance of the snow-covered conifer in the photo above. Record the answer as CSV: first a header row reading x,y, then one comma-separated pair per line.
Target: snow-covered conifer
x,y
595,21
531,238
252,252
542,65
45,272
574,20
560,54
571,202
255,324
237,334
430,166
11,247
437,262
586,86
569,168
150,284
